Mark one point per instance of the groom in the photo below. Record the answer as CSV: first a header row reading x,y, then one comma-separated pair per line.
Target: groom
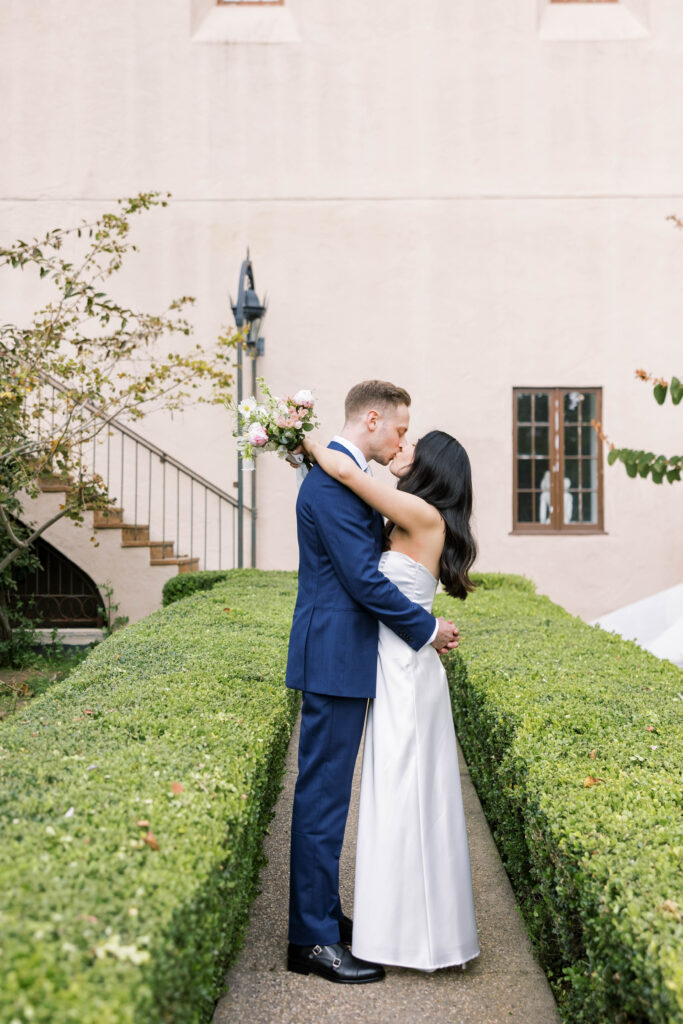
x,y
333,659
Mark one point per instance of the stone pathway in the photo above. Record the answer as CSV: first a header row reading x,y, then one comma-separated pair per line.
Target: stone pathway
x,y
504,985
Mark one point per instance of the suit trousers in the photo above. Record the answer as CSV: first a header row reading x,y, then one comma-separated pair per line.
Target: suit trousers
x,y
331,730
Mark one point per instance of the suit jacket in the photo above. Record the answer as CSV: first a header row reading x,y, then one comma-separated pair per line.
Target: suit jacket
x,y
342,594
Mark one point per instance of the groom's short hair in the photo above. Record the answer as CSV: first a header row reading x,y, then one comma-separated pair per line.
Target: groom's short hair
x,y
374,394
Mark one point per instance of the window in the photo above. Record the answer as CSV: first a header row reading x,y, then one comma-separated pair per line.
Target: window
x,y
557,461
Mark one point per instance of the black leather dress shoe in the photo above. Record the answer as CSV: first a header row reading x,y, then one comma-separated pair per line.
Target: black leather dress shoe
x,y
335,963
346,930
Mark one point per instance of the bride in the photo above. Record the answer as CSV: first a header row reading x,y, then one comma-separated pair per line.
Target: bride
x,y
413,904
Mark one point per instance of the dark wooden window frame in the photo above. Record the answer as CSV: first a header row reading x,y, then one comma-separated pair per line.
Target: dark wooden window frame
x,y
556,526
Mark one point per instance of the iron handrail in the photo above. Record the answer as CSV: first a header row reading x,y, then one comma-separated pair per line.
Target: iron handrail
x,y
151,447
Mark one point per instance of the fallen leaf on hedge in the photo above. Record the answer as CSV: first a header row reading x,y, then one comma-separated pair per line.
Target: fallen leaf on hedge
x,y
142,823
592,754
227,609
151,840
649,728
115,948
177,787
591,780
87,711
672,908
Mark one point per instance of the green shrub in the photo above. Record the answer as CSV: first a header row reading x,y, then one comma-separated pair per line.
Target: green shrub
x,y
187,583
574,738
97,924
494,580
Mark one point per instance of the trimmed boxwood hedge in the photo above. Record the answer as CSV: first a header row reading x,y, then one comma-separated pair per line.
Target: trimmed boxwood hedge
x,y
97,925
182,721
573,739
186,583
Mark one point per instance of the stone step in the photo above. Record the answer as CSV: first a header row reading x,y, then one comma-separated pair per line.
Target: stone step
x,y
159,550
184,563
108,519
50,482
134,535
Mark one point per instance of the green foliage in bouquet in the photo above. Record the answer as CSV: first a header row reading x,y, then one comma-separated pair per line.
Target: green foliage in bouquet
x,y
272,424
574,741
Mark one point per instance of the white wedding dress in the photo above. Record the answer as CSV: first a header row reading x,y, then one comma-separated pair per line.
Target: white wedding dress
x,y
413,903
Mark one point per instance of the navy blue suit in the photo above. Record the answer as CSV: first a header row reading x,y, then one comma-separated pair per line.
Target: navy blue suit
x,y
333,659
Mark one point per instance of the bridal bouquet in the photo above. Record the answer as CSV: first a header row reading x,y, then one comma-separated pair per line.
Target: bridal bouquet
x,y
273,424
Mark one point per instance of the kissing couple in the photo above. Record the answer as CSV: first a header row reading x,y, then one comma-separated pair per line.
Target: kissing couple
x,y
364,639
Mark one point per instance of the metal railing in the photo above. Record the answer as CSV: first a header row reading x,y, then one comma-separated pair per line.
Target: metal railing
x,y
162,500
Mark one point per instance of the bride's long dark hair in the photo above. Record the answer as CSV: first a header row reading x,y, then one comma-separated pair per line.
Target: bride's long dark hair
x,y
441,475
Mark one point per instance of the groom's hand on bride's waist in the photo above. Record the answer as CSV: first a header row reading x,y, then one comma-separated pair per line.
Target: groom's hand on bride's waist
x,y
447,636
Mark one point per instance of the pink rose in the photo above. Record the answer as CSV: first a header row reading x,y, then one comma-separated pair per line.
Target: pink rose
x,y
258,435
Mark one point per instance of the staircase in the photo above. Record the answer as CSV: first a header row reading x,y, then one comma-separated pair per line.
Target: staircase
x,y
135,536
164,519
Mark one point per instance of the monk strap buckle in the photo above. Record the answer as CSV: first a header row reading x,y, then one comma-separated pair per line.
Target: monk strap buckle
x,y
336,962
317,950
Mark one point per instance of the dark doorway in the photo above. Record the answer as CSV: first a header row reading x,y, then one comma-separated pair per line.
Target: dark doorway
x,y
58,593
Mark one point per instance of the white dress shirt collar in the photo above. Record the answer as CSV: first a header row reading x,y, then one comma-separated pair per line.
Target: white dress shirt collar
x,y
354,450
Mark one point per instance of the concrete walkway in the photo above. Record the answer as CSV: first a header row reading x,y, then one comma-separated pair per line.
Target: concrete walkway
x,y
504,985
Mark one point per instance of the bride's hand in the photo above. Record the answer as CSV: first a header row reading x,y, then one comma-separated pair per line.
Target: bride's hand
x,y
308,446
304,449
289,457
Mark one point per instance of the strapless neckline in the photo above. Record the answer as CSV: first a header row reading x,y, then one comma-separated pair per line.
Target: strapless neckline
x,y
414,561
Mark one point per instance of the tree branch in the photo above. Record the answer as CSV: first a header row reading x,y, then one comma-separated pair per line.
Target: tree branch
x,y
8,526
12,555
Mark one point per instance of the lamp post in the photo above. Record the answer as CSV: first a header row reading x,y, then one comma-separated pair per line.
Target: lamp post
x,y
247,310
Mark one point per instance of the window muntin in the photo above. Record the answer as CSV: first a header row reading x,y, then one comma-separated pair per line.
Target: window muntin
x,y
557,460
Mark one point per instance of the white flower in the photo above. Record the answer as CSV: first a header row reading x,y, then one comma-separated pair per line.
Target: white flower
x,y
258,435
304,397
248,407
